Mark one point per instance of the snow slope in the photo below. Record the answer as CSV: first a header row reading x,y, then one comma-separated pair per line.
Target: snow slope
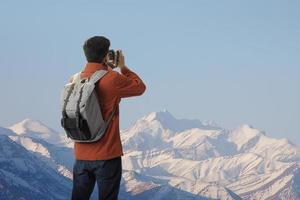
x,y
185,159
24,176
57,157
244,161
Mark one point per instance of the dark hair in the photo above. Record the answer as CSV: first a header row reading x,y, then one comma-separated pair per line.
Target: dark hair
x,y
96,48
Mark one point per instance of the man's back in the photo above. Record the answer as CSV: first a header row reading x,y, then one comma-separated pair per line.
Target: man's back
x,y
111,88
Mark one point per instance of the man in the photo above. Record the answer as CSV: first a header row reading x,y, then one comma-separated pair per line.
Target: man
x,y
101,161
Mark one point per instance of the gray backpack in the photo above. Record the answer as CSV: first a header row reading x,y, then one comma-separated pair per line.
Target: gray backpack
x,y
81,113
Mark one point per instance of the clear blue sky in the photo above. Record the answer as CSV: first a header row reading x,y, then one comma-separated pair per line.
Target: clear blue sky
x,y
232,62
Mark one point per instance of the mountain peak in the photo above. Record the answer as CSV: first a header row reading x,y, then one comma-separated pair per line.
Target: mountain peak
x,y
245,136
246,126
159,116
248,129
168,121
30,125
36,129
28,120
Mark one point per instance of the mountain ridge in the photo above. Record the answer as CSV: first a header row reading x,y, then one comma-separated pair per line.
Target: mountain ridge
x,y
210,155
191,158
22,175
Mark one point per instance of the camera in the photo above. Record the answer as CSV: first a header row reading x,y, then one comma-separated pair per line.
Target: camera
x,y
113,58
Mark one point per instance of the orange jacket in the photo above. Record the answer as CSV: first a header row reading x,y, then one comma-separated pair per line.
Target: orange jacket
x,y
111,88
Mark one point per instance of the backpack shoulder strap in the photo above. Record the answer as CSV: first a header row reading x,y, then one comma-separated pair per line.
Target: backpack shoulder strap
x,y
111,116
97,76
76,77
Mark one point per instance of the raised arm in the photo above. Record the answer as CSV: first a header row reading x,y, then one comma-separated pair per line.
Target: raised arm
x,y
129,84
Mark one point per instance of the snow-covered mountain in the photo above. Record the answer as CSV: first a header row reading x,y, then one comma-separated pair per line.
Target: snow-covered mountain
x,y
47,144
136,186
57,157
169,158
24,176
36,129
211,161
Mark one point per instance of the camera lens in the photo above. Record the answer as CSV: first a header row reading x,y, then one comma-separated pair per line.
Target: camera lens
x,y
111,55
118,57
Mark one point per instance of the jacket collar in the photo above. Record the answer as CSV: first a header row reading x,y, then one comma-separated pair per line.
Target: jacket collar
x,y
92,67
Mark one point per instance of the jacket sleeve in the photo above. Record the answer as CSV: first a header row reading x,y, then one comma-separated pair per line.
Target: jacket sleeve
x,y
129,84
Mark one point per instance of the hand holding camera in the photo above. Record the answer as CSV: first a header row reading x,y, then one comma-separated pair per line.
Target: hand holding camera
x,y
116,59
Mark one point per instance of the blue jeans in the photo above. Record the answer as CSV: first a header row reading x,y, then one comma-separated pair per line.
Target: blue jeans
x,y
107,173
